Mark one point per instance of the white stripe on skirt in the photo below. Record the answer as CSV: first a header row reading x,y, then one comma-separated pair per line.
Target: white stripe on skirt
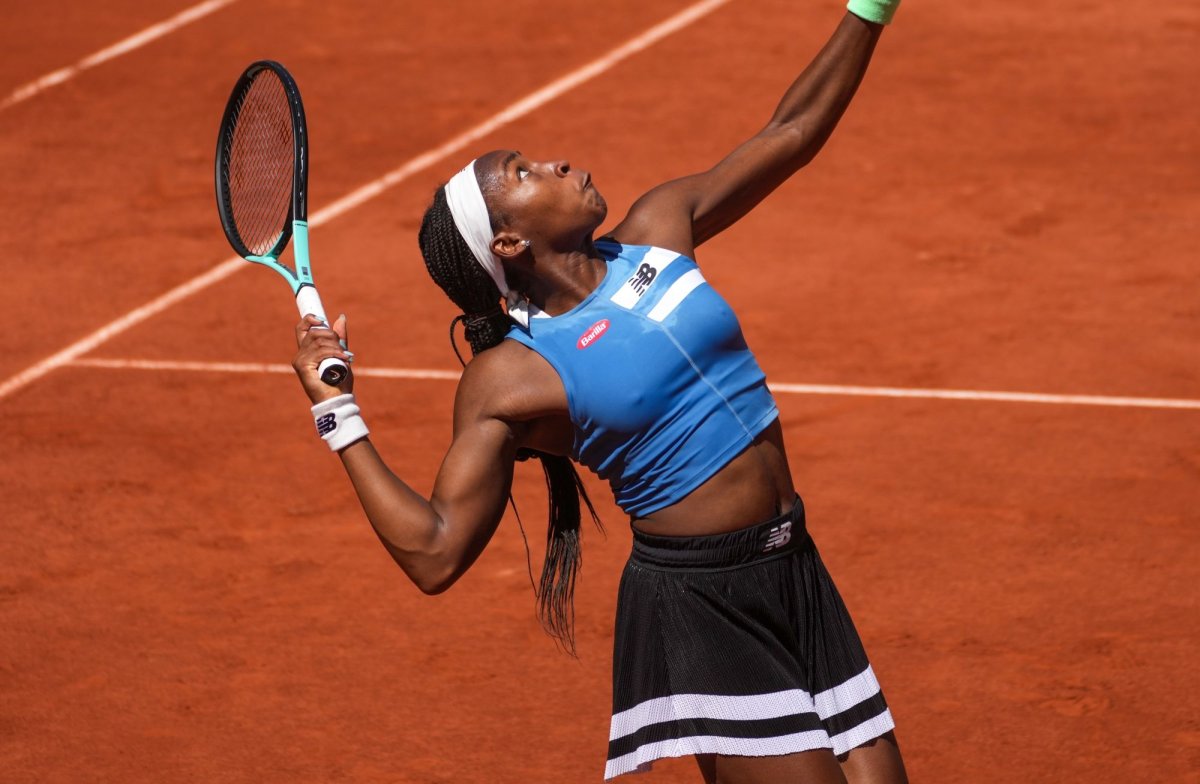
x,y
716,744
856,736
711,706
847,694
789,702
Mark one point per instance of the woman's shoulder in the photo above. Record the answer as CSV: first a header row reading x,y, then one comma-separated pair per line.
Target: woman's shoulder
x,y
613,249
511,382
655,220
497,366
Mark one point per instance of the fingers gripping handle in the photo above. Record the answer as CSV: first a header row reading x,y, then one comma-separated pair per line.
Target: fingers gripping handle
x,y
332,370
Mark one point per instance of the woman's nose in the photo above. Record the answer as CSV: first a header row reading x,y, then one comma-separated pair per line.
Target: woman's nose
x,y
562,168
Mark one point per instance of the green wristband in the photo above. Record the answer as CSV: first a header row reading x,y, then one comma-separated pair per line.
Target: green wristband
x,y
877,11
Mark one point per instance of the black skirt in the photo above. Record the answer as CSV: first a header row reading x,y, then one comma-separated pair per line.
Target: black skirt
x,y
736,644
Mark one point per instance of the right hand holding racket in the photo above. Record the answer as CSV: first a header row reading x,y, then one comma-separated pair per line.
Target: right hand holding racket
x,y
316,343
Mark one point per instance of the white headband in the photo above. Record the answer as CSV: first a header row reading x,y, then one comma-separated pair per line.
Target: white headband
x,y
471,218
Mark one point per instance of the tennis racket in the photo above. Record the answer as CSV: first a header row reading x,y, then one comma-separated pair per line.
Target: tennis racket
x,y
262,184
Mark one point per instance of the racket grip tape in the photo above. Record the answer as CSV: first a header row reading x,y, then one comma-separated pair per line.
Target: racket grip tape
x,y
332,370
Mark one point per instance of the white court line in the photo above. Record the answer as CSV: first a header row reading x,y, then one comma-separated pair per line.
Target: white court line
x,y
975,394
520,108
134,41
368,191
253,367
794,389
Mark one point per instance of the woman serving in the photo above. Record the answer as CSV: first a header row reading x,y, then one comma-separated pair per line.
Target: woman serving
x,y
732,643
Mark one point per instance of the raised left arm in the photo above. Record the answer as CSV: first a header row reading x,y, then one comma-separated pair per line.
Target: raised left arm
x,y
683,213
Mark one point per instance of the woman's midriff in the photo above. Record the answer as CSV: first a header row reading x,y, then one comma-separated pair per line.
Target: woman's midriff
x,y
755,486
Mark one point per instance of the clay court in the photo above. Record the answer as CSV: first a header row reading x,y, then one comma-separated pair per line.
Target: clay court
x,y
188,588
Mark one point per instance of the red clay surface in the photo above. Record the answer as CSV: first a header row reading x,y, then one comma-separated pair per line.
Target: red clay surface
x,y
188,591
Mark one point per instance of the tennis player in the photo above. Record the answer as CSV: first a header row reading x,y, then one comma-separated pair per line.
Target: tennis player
x,y
732,643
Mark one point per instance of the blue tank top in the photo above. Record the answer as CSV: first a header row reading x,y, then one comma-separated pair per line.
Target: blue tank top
x,y
661,387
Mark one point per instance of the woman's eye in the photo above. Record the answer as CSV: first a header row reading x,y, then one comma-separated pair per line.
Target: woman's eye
x,y
522,173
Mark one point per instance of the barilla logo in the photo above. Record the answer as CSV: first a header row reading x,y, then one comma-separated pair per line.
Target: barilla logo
x,y
593,334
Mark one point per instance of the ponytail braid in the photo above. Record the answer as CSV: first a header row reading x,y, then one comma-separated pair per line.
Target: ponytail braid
x,y
455,270
468,286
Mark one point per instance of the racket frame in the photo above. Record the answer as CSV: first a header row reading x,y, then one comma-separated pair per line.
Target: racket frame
x,y
295,227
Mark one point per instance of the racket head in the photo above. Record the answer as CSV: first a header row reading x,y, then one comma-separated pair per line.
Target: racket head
x,y
262,162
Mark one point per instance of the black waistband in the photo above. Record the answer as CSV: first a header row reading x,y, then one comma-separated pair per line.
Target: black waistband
x,y
768,539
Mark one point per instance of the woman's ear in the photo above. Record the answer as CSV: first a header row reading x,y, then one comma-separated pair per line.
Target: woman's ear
x,y
507,245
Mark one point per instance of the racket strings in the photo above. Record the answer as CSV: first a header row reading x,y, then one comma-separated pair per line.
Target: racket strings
x,y
261,164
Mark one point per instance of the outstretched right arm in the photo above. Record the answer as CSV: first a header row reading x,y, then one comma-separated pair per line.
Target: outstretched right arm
x,y
683,213
434,541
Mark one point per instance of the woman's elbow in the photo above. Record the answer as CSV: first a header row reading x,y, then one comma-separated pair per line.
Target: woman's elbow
x,y
432,578
430,566
434,587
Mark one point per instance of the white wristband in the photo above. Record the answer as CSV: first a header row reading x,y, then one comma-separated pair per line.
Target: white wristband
x,y
338,422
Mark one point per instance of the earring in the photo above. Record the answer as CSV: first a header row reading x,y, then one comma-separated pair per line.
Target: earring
x,y
525,244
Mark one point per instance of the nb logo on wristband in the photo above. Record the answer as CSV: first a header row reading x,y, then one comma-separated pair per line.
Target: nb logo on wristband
x,y
326,424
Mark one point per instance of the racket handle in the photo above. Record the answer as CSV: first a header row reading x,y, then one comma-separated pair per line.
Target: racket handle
x,y
332,370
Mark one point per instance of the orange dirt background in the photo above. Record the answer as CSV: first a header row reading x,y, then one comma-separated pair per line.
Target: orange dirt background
x,y
188,591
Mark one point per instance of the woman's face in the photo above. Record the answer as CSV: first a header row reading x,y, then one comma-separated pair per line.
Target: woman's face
x,y
546,202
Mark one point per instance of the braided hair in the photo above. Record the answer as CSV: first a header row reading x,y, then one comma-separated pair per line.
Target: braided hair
x,y
455,270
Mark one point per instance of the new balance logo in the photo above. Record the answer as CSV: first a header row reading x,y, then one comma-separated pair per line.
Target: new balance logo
x,y
650,267
778,536
642,279
326,424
